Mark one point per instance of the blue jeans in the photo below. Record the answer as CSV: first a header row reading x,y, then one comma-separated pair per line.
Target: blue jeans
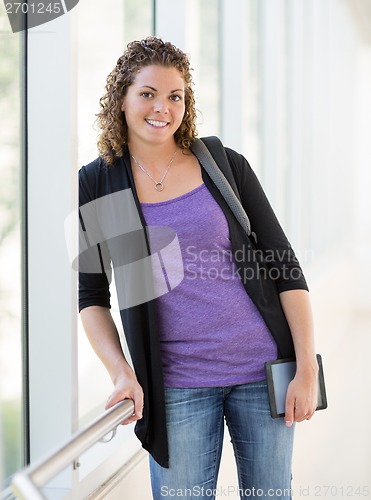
x,y
195,424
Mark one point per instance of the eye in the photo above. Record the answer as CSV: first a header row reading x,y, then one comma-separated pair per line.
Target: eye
x,y
175,97
146,95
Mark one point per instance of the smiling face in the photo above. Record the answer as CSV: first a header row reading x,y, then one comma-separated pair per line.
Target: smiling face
x,y
154,105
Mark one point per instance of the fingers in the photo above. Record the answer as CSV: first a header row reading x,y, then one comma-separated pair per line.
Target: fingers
x,y
138,404
290,409
300,416
136,395
296,411
304,409
301,399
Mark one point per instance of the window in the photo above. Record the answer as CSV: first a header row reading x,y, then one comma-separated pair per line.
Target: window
x,y
117,25
194,27
11,251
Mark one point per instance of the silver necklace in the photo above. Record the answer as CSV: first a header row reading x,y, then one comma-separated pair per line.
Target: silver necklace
x,y
159,185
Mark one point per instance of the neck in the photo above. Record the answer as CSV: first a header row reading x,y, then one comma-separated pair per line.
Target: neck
x,y
152,156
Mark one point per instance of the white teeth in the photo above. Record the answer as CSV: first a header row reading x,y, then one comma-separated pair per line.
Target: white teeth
x,y
155,123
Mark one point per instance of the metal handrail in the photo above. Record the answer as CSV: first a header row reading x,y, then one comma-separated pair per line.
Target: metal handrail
x,y
27,484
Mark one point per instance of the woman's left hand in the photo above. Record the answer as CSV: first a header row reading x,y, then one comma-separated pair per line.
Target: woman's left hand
x,y
302,396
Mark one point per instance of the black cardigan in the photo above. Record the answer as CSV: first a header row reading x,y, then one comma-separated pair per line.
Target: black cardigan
x,y
140,322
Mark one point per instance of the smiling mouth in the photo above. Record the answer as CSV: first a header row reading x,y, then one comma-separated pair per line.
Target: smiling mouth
x,y
156,123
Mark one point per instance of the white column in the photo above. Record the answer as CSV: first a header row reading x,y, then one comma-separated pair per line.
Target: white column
x,y
234,91
274,102
180,29
52,195
295,119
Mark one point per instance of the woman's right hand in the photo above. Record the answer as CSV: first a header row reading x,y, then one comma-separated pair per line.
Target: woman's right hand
x,y
127,387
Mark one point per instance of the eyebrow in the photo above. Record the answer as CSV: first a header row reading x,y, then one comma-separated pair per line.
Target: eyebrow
x,y
155,90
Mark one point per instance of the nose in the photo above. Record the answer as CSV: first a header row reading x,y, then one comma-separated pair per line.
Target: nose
x,y
160,105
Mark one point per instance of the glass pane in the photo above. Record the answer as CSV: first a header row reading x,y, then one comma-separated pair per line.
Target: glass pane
x,y
205,58
11,406
122,22
138,19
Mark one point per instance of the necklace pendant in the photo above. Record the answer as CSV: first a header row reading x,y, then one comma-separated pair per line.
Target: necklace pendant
x,y
159,185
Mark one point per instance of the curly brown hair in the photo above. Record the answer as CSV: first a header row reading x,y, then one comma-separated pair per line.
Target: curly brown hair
x,y
112,141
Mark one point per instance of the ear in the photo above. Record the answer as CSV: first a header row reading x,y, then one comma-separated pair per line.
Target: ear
x,y
123,105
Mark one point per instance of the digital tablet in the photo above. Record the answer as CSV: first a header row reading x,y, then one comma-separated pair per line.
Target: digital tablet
x,y
279,374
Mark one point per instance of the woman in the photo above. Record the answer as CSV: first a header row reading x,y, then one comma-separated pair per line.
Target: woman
x,y
199,350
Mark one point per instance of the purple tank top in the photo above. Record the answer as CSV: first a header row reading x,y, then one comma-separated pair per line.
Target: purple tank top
x,y
211,333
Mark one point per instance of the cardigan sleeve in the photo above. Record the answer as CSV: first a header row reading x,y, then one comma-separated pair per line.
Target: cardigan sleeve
x,y
94,260
273,245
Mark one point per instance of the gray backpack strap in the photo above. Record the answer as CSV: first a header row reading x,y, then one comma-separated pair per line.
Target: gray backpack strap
x,y
207,161
217,150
